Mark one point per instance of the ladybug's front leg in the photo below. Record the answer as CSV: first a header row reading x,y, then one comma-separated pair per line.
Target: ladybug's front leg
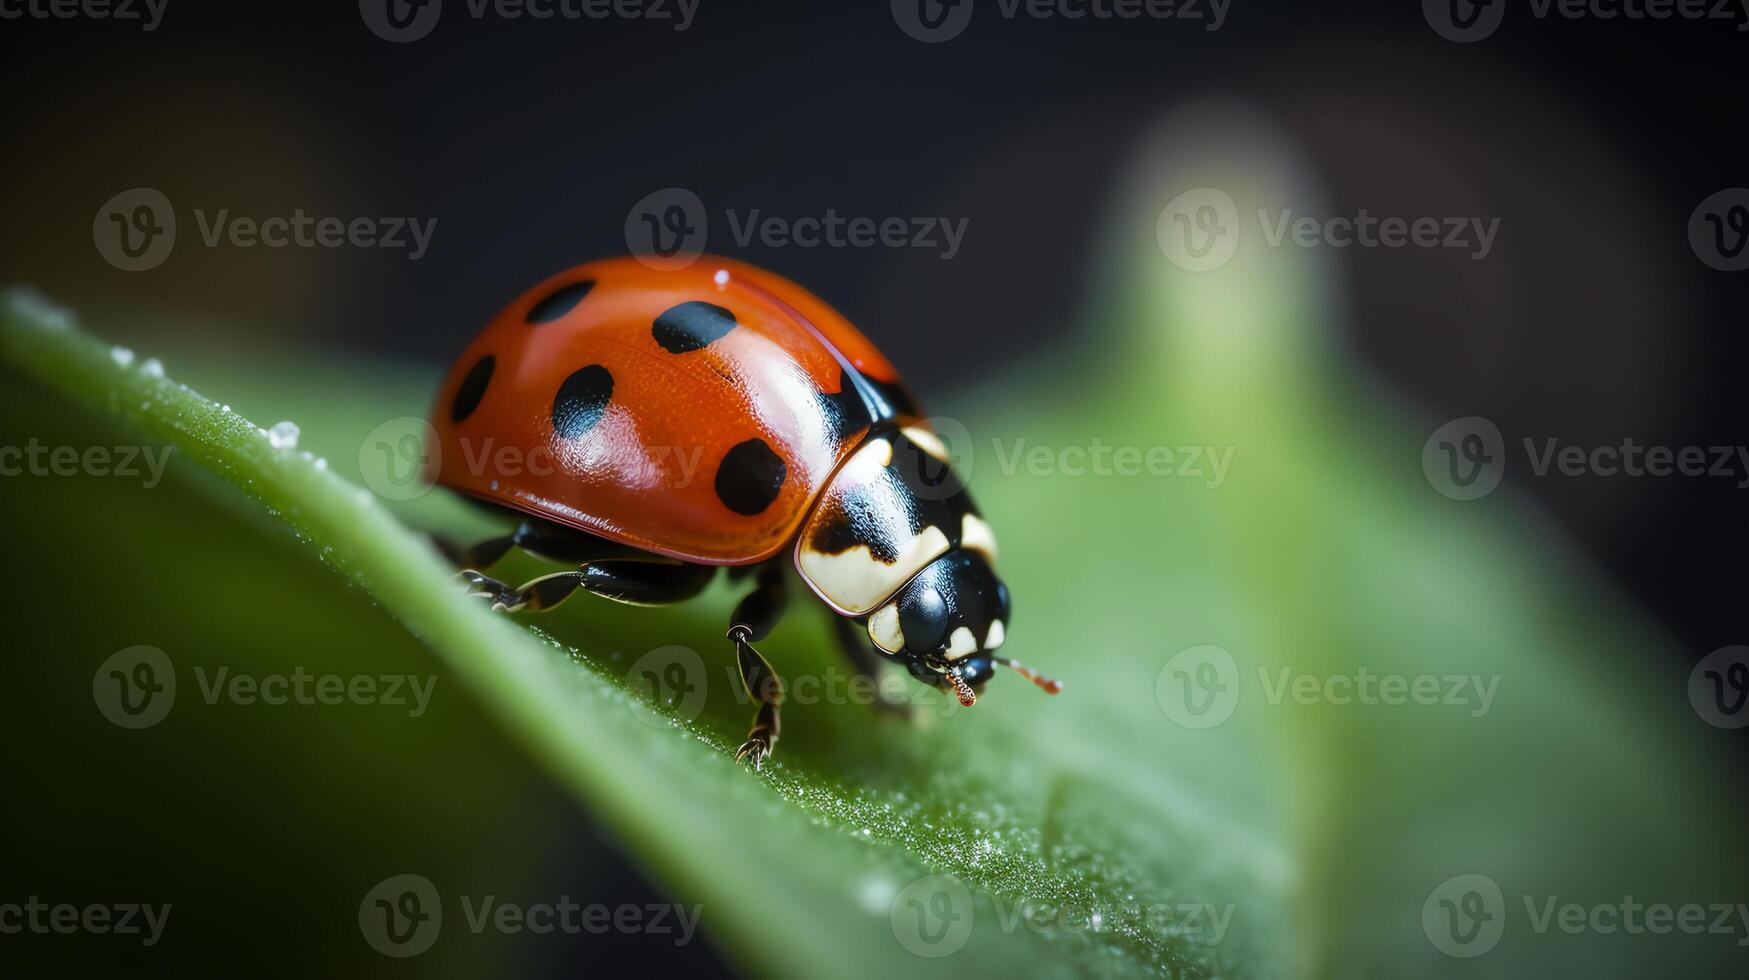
x,y
753,620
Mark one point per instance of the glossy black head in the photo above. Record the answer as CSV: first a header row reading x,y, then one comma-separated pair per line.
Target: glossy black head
x,y
946,621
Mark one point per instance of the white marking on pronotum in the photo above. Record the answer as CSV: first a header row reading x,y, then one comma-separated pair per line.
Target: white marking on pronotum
x,y
961,644
883,628
997,635
975,535
856,580
927,441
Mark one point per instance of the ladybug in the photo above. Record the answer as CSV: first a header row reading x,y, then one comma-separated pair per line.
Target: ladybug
x,y
649,426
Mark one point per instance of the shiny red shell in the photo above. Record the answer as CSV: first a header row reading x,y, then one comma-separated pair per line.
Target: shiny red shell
x,y
695,413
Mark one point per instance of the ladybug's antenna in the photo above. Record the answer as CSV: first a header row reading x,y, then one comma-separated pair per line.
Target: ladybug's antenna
x,y
1044,683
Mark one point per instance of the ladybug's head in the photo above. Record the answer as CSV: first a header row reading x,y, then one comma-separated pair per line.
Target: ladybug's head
x,y
946,624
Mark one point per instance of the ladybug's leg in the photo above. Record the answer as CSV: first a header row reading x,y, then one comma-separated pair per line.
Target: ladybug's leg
x,y
753,620
866,663
641,583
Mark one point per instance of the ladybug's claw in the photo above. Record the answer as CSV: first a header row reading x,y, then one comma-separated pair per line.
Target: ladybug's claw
x,y
752,621
502,597
757,747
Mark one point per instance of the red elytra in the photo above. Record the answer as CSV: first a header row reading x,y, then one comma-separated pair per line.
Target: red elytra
x,y
694,413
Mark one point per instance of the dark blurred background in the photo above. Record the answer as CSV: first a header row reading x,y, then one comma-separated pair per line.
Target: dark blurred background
x,y
529,141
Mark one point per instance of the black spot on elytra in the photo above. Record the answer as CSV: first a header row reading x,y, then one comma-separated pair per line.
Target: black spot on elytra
x,y
473,388
559,302
581,401
749,477
691,326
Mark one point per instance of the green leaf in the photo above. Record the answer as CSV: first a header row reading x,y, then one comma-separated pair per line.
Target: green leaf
x,y
800,865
